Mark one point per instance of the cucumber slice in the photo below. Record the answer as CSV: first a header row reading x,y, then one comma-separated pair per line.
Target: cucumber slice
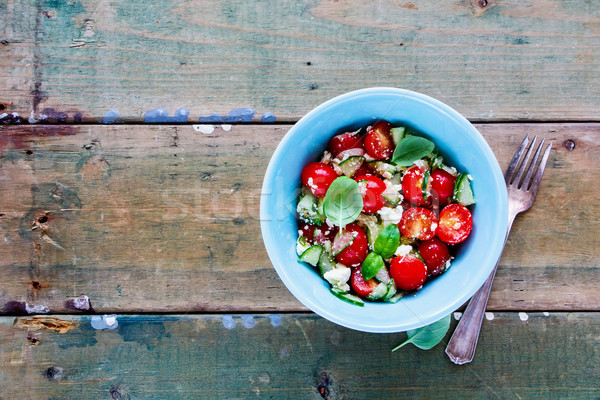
x,y
463,193
398,134
320,202
391,290
307,209
425,184
312,255
373,226
379,291
341,241
326,263
383,275
382,168
302,245
391,194
350,165
347,297
394,298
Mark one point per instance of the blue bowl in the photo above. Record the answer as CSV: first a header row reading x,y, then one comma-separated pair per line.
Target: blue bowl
x,y
459,143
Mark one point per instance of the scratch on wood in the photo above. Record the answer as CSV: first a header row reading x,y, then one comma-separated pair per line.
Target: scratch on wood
x,y
305,335
39,323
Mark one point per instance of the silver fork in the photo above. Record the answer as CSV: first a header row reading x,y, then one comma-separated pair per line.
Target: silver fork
x,y
521,194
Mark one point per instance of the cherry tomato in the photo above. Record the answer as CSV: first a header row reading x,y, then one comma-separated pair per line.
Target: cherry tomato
x,y
362,170
324,233
307,230
412,186
455,223
443,183
409,273
359,285
378,141
435,253
354,255
418,223
345,141
317,177
371,188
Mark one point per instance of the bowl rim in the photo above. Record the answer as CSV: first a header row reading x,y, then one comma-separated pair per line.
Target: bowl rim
x,y
270,173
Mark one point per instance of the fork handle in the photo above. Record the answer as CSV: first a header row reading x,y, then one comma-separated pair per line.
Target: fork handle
x,y
462,344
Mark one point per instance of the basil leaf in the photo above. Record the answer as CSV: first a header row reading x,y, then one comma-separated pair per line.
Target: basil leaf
x,y
372,264
343,201
387,242
428,336
410,149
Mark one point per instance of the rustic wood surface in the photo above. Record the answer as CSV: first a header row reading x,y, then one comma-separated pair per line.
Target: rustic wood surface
x,y
101,214
165,218
287,356
491,60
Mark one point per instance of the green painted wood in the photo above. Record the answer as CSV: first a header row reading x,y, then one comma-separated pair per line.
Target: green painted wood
x,y
164,218
304,357
490,60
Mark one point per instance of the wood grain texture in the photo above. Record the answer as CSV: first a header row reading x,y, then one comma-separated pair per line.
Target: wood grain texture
x,y
146,218
303,357
490,60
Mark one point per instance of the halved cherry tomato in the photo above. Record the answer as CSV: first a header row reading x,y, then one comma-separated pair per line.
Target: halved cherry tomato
x,y
435,253
324,233
362,170
354,254
409,273
307,230
418,223
378,142
360,286
443,183
455,223
345,141
317,177
412,186
371,189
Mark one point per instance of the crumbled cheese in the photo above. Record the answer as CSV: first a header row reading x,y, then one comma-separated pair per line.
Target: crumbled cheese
x,y
422,164
368,157
434,226
403,250
326,157
301,247
311,184
338,277
451,170
470,177
390,215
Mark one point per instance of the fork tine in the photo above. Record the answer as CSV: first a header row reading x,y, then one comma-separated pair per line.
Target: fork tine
x,y
512,167
521,170
533,165
540,171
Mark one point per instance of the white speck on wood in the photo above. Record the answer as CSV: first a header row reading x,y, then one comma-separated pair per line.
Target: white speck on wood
x,y
38,309
546,314
206,129
523,316
457,315
489,316
226,127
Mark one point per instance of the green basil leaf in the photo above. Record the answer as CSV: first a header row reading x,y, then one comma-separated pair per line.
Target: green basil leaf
x,y
410,149
387,242
428,336
343,201
372,264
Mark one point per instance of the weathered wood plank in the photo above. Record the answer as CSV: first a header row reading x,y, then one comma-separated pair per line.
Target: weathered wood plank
x,y
490,60
165,218
292,357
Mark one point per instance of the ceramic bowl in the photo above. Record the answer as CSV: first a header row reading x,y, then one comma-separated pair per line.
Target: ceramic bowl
x,y
459,143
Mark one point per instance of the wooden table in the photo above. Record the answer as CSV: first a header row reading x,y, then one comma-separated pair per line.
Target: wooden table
x,y
133,141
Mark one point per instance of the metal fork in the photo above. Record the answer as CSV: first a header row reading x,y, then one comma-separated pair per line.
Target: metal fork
x,y
521,194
